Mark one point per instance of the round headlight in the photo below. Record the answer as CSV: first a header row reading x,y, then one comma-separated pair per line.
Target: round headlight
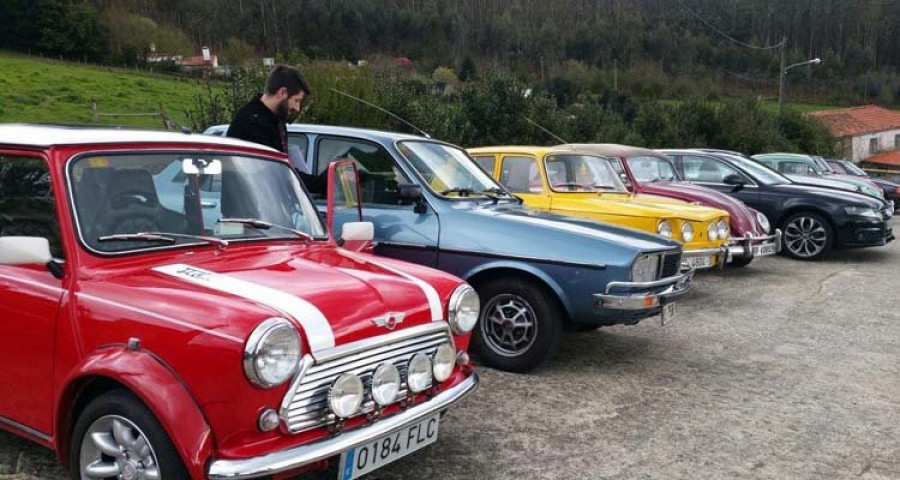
x,y
385,384
713,231
272,353
664,228
763,222
723,229
687,232
444,359
346,395
463,310
418,377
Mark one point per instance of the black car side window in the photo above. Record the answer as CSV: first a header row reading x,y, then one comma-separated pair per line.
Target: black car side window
x,y
707,170
27,207
379,174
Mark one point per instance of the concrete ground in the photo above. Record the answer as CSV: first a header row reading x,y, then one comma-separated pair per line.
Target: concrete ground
x,y
781,370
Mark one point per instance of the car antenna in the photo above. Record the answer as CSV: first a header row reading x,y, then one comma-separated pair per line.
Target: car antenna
x,y
423,132
550,133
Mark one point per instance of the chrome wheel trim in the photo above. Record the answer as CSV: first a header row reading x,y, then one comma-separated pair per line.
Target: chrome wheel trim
x,y
509,325
115,448
805,237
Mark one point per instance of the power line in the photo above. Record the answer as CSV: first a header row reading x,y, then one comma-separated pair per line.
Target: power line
x,y
727,36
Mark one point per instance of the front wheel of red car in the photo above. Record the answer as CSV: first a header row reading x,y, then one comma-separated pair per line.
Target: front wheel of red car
x,y
519,326
118,437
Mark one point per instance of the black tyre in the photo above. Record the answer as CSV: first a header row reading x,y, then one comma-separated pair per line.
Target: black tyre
x,y
117,437
519,326
740,262
807,236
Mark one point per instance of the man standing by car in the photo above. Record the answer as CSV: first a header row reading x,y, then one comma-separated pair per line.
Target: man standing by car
x,y
263,120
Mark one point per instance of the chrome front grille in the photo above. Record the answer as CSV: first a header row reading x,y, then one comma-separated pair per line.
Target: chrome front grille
x,y
305,406
670,265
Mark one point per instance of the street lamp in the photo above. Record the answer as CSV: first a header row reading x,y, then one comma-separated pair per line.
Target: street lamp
x,y
784,70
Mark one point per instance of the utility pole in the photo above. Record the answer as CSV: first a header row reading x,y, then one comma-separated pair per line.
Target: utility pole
x,y
782,73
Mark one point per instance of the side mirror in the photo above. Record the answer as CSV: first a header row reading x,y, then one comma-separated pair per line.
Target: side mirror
x,y
735,180
358,232
409,193
24,251
412,194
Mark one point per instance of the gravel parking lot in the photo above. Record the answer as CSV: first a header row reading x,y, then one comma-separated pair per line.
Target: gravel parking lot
x,y
785,369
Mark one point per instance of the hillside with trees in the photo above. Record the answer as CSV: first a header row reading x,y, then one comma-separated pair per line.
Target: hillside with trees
x,y
661,48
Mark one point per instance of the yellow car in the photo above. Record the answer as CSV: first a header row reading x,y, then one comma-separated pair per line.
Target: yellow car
x,y
580,184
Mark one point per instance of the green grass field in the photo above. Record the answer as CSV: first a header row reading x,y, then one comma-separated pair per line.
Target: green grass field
x,y
49,91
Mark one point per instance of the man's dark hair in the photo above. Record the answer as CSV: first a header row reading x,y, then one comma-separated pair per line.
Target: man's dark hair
x,y
287,77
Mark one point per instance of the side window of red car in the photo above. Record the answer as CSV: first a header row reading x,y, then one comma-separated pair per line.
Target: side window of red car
x,y
27,208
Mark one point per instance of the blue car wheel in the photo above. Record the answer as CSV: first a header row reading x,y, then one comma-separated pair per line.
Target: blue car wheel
x,y
519,325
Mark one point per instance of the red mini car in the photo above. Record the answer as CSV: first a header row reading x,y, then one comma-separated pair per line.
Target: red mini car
x,y
172,306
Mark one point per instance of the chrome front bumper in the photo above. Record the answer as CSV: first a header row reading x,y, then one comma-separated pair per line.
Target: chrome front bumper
x,y
720,252
639,299
743,247
294,458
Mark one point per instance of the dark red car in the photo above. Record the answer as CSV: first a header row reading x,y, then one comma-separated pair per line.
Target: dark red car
x,y
649,172
173,307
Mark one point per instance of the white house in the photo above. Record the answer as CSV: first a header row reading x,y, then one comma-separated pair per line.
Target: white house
x,y
862,132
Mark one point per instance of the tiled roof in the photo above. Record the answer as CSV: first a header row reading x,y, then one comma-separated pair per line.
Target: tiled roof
x,y
849,122
891,157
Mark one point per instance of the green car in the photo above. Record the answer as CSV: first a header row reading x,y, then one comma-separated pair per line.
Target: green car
x,y
804,169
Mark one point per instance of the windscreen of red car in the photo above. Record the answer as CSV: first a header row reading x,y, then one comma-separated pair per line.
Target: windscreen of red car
x,y
179,196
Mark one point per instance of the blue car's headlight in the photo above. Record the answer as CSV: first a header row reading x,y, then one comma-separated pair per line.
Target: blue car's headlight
x,y
862,212
645,268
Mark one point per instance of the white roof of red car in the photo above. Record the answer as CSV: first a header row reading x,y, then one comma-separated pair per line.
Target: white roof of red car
x,y
48,136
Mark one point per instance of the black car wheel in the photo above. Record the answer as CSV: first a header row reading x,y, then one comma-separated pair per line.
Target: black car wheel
x,y
117,437
519,325
807,236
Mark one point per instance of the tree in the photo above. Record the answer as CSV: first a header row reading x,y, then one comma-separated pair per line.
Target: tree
x,y
70,28
467,70
236,52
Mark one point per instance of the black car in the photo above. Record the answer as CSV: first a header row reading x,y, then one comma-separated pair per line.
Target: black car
x,y
813,219
846,167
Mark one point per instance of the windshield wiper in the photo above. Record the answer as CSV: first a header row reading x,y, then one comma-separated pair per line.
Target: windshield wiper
x,y
147,237
264,225
496,191
462,191
162,237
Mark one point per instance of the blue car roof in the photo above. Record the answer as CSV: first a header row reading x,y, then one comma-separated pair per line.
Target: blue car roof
x,y
379,136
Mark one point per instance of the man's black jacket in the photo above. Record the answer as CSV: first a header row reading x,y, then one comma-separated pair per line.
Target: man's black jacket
x,y
256,123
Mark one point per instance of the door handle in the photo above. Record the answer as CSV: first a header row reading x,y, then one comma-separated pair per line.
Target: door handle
x,y
208,204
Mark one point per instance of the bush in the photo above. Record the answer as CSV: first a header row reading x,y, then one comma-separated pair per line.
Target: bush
x,y
500,109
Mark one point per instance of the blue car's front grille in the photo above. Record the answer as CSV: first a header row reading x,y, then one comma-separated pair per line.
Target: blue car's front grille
x,y
671,263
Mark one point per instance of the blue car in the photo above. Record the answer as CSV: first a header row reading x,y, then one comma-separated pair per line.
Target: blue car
x,y
536,273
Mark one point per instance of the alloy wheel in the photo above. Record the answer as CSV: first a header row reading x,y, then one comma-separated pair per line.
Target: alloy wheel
x,y
805,237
